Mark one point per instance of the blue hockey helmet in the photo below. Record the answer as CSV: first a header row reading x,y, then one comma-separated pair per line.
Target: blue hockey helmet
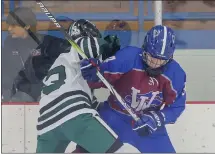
x,y
160,42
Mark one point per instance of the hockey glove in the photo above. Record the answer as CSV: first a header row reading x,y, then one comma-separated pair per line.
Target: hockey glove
x,y
88,69
113,46
149,122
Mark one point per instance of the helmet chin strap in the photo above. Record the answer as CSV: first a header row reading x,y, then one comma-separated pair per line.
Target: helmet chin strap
x,y
154,72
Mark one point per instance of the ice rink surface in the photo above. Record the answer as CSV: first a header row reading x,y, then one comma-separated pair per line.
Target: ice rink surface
x,y
193,132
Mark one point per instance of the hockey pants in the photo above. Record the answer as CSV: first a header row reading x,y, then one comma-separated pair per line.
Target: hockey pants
x,y
86,130
159,142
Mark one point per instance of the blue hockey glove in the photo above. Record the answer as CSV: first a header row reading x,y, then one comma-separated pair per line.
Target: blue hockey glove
x,y
88,69
149,122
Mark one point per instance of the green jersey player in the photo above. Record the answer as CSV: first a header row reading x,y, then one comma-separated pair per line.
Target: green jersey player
x,y
66,112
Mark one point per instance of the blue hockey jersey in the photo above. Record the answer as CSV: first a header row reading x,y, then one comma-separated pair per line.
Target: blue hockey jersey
x,y
126,72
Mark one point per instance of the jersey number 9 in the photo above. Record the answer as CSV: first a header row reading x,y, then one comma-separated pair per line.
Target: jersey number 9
x,y
54,79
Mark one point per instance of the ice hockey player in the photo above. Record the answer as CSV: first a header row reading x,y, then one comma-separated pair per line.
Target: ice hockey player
x,y
66,113
151,82
83,27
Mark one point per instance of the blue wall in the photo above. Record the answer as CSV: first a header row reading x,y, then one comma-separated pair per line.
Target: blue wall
x,y
186,39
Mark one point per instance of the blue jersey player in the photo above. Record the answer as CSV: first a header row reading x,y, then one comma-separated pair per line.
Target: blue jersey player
x,y
151,82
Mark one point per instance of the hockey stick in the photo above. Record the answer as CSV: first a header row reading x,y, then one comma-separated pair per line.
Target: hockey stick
x,y
82,54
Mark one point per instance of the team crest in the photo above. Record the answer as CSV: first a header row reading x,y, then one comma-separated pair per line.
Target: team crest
x,y
36,52
75,31
140,102
156,33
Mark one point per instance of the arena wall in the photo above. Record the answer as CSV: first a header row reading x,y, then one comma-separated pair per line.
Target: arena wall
x,y
193,132
195,129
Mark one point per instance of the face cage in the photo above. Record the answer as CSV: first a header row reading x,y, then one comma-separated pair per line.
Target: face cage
x,y
156,63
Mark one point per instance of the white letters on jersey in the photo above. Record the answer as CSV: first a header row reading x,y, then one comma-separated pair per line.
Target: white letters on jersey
x,y
143,103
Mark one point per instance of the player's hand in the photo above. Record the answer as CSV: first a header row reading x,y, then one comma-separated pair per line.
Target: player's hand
x,y
149,122
88,69
114,46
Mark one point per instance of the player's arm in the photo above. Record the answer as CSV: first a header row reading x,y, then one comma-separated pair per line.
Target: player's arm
x,y
51,47
174,98
176,106
112,68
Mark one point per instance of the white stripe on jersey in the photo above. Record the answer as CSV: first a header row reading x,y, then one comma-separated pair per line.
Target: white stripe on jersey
x,y
164,40
61,102
77,39
66,118
97,45
62,110
82,45
89,47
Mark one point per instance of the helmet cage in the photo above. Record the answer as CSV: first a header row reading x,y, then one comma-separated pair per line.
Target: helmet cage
x,y
153,62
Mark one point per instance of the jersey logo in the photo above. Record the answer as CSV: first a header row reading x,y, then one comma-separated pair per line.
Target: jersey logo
x,y
156,33
36,52
15,53
140,102
152,81
75,31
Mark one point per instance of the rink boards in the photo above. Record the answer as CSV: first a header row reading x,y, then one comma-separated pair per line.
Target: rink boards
x,y
193,132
